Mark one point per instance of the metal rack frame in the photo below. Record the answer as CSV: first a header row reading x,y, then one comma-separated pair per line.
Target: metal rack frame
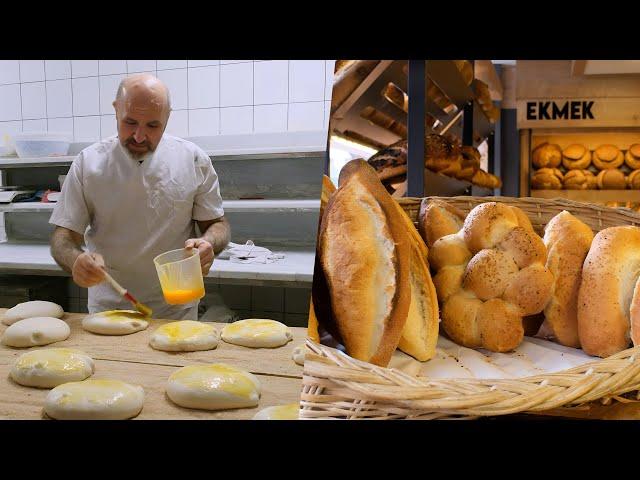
x,y
445,75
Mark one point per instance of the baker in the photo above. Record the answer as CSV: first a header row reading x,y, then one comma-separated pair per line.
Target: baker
x,y
134,196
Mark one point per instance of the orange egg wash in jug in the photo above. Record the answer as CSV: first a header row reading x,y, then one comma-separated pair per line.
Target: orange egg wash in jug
x,y
178,297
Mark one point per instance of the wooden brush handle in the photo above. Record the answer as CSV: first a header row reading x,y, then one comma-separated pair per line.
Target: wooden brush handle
x,y
117,287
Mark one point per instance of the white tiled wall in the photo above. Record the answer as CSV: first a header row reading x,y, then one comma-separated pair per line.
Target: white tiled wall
x,y
209,97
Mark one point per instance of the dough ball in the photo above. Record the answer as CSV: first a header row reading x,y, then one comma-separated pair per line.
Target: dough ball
x,y
298,354
185,336
94,400
279,412
35,308
115,322
213,387
48,368
257,333
32,332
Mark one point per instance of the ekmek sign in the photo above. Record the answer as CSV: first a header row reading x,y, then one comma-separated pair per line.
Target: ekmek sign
x,y
569,110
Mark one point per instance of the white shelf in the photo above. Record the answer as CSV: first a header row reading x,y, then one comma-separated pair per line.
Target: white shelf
x,y
267,206
17,162
297,266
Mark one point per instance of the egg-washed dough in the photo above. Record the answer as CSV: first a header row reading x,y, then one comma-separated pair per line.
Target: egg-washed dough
x,y
115,322
298,354
94,399
34,308
257,333
213,387
279,412
33,332
50,367
185,336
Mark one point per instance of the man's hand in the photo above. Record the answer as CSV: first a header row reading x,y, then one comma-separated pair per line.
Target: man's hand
x,y
88,269
206,252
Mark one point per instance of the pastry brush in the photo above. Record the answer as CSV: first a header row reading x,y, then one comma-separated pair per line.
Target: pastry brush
x,y
140,307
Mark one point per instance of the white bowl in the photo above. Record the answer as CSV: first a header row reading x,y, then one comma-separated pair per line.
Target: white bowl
x,y
42,144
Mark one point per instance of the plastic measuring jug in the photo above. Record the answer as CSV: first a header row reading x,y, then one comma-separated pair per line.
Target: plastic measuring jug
x,y
180,276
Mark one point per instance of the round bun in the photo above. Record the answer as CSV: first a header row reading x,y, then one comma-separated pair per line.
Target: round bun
x,y
547,155
279,412
607,156
547,179
115,322
632,157
257,333
34,308
36,331
185,336
50,367
579,180
611,179
94,399
213,387
576,156
633,180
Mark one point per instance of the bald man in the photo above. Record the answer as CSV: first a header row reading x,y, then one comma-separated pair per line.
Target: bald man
x,y
134,196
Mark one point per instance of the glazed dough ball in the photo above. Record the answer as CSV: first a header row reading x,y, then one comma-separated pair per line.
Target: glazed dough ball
x,y
35,308
115,322
185,336
94,400
298,354
257,333
213,387
279,412
48,368
32,332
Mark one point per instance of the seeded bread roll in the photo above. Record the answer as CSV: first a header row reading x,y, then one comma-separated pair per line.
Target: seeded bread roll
x,y
576,157
489,276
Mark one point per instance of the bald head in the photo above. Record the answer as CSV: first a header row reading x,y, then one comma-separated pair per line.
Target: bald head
x,y
143,106
146,87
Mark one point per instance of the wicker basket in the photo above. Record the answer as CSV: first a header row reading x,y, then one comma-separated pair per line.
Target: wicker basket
x,y
338,386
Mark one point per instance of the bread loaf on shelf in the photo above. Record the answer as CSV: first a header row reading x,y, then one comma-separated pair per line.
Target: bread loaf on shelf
x,y
576,157
470,163
609,297
632,157
633,180
611,180
489,276
547,155
391,161
442,156
607,157
579,180
547,179
466,70
568,241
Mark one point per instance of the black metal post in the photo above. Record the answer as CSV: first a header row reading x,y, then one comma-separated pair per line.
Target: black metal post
x,y
416,127
467,124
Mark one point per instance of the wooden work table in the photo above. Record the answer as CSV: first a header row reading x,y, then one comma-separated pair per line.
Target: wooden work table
x,y
130,358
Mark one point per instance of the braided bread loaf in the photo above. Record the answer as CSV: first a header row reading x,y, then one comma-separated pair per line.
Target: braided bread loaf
x,y
490,274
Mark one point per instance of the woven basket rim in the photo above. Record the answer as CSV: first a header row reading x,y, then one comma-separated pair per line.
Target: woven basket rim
x,y
336,385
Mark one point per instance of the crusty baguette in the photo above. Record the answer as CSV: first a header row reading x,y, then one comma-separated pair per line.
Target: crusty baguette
x,y
347,79
364,253
568,241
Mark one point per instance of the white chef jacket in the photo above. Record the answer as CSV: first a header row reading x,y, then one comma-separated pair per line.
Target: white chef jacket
x,y
130,212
